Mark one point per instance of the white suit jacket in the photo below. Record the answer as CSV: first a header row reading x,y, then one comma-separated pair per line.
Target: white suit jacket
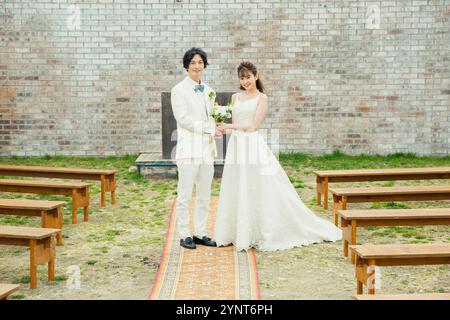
x,y
195,128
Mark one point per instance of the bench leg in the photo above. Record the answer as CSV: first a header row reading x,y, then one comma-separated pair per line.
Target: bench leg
x,y
318,194
361,275
42,252
51,270
365,274
359,287
86,205
80,199
319,189
74,214
371,277
59,240
345,248
344,236
50,248
353,240
112,187
74,206
53,219
33,264
335,208
325,193
338,203
341,205
103,190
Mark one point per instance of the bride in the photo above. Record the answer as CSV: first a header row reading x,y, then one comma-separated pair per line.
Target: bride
x,y
258,206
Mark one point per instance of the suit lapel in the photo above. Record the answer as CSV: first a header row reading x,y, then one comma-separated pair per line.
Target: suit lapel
x,y
193,96
208,101
205,100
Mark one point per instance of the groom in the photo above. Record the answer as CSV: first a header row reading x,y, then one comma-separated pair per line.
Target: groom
x,y
196,148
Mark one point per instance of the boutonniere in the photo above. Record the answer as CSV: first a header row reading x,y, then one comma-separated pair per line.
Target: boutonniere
x,y
212,97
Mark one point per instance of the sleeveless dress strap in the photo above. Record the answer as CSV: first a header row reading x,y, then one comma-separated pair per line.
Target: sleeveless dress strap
x,y
257,100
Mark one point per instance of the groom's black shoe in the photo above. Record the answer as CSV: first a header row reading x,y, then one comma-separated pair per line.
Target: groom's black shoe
x,y
205,241
187,243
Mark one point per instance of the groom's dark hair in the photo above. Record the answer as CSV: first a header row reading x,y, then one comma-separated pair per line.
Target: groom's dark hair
x,y
191,53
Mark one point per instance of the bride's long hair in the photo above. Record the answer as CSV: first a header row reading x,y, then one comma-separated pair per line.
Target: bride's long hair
x,y
248,67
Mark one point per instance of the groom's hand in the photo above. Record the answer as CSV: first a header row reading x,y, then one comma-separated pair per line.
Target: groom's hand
x,y
219,129
219,133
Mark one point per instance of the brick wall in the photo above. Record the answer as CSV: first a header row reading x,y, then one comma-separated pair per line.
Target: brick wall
x,y
85,77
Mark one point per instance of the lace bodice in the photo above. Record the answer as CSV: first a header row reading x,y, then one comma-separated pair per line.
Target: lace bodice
x,y
244,111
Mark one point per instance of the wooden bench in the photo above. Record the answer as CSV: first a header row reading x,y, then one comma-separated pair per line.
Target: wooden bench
x,y
323,178
341,197
368,256
78,191
351,219
49,211
7,289
41,242
415,296
107,178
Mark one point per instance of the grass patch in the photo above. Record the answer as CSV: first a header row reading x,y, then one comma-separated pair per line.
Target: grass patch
x,y
378,234
162,186
102,249
57,279
24,280
111,234
407,235
417,241
337,160
15,220
143,242
60,278
396,205
293,158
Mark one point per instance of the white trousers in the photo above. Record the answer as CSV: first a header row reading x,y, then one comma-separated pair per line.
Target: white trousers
x,y
199,173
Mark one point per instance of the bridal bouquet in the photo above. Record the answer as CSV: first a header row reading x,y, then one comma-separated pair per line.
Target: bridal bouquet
x,y
220,113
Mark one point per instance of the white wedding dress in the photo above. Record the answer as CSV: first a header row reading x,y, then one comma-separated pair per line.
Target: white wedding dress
x,y
258,206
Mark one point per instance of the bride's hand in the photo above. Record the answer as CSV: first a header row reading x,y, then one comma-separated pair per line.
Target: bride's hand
x,y
223,126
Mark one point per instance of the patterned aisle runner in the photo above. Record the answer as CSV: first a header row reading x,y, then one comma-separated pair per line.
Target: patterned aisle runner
x,y
206,272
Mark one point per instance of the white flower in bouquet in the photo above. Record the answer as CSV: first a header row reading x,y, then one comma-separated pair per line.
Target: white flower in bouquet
x,y
220,113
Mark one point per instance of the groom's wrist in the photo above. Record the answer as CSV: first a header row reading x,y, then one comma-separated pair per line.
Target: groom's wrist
x,y
209,128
